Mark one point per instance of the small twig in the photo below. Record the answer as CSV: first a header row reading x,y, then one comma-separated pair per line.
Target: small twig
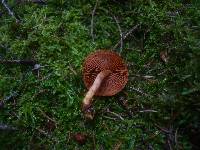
x,y
121,34
115,114
7,98
126,35
47,135
22,62
45,115
117,145
124,105
39,2
92,21
6,127
69,137
94,141
150,147
111,118
9,10
5,47
130,31
169,144
43,132
176,137
72,69
162,129
46,77
12,95
139,91
148,110
148,78
144,76
163,72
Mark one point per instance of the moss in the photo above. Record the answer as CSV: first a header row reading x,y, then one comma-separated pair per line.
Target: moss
x,y
57,35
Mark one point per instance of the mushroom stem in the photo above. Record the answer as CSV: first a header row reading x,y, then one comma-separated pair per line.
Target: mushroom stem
x,y
87,101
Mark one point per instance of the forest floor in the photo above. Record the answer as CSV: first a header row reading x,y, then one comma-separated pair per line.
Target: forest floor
x,y
43,47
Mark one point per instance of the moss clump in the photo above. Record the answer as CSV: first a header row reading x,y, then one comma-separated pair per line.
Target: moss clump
x,y
45,109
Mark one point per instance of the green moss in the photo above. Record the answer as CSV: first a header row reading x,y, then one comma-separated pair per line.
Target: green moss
x,y
57,36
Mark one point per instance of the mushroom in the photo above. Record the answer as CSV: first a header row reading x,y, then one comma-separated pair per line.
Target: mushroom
x,y
80,138
104,74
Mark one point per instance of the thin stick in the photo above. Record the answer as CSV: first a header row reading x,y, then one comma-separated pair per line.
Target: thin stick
x,y
94,141
38,2
22,62
117,145
92,21
148,110
121,34
9,10
69,137
176,137
7,98
162,129
126,35
12,95
6,127
111,118
121,101
72,70
115,114
169,144
46,116
43,132
139,91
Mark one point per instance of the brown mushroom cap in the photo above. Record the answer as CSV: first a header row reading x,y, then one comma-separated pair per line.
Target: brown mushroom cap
x,y
105,60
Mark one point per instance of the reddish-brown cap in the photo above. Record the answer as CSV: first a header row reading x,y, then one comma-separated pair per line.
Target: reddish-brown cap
x,y
105,60
80,138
